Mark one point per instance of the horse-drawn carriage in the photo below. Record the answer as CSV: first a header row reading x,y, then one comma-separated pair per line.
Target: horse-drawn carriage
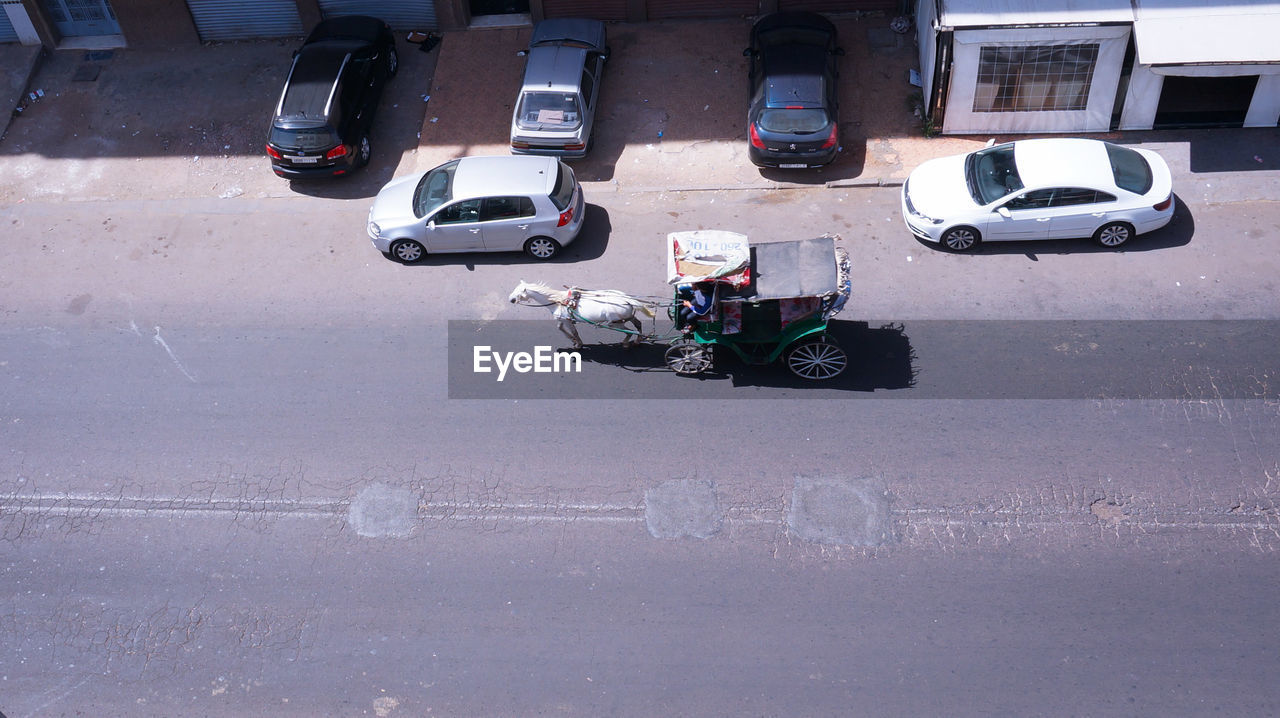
x,y
763,302
767,301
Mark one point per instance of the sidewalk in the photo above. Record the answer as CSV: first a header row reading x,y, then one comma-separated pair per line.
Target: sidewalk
x,y
18,65
190,123
674,113
674,105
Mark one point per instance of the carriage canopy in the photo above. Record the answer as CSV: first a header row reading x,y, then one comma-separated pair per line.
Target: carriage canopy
x,y
771,270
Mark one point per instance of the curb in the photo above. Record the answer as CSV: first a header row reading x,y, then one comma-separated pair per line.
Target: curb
x,y
864,182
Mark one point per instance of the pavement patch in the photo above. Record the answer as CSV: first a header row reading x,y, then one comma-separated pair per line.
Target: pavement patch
x,y
682,507
849,512
381,511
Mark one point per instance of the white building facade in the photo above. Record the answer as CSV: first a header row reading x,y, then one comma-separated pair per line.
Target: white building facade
x,y
1032,66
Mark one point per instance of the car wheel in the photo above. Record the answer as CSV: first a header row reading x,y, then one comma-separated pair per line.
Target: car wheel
x,y
1113,234
686,356
364,151
818,359
542,248
407,251
393,63
961,239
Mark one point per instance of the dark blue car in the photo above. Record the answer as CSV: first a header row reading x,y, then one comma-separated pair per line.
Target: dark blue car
x,y
793,120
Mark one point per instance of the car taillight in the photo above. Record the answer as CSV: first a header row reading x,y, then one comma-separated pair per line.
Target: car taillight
x,y
520,145
273,152
831,139
336,152
1164,205
575,148
756,142
566,217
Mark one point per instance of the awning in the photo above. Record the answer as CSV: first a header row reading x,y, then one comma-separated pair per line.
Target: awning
x,y
1171,32
957,14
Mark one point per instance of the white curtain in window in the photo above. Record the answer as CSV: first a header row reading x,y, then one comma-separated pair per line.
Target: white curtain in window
x,y
1096,117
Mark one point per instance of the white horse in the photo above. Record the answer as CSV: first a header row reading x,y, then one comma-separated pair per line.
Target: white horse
x,y
598,306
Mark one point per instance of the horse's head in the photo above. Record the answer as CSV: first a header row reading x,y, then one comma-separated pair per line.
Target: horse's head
x,y
520,293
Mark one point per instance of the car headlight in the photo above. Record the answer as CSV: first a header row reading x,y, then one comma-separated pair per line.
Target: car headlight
x,y
374,229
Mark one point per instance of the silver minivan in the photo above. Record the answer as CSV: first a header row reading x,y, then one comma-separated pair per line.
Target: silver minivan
x,y
479,204
555,113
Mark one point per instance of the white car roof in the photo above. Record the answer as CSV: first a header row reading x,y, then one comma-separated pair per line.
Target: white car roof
x,y
1064,162
504,175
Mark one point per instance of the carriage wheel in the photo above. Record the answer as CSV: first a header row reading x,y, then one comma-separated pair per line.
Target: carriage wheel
x,y
818,359
685,356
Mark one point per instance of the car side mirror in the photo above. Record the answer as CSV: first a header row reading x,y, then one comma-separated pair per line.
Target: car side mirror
x,y
431,223
1003,212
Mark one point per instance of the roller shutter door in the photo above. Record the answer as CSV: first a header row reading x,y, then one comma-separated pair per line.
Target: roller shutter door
x,y
7,33
399,14
607,10
664,9
218,20
890,7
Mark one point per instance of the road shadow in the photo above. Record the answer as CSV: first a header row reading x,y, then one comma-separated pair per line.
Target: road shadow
x,y
880,358
590,244
1177,233
849,163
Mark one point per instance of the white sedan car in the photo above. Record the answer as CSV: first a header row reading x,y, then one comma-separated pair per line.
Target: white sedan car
x,y
1039,189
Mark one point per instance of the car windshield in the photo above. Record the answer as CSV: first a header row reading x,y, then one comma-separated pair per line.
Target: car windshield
x,y
992,174
548,111
1130,169
309,139
435,189
562,195
794,36
793,121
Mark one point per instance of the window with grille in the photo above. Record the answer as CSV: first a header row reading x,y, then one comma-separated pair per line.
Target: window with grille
x,y
1034,78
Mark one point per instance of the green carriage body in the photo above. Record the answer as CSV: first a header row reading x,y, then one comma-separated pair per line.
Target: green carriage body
x,y
794,287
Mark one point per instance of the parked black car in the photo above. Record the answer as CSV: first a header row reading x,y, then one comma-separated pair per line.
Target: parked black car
x,y
321,124
793,119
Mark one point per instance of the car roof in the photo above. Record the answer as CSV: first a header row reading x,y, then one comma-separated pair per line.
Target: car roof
x,y
578,32
554,67
1064,162
312,78
794,75
348,27
504,175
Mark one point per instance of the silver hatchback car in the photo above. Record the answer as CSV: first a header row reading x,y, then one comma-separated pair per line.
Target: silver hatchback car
x,y
555,113
479,204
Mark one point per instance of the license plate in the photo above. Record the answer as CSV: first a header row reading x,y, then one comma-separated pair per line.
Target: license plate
x,y
304,160
793,166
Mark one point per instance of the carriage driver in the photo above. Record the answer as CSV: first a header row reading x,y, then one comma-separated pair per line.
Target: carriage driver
x,y
696,301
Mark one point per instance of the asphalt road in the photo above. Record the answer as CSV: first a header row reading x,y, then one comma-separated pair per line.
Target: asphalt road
x,y
232,478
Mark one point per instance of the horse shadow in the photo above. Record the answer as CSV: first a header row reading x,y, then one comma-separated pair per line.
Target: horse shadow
x,y
880,358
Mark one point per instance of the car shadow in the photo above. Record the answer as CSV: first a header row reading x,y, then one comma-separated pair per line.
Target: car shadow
x,y
848,164
394,134
590,244
1177,233
880,358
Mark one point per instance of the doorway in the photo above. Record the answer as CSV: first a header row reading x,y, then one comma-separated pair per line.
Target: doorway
x,y
499,7
1204,101
81,18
